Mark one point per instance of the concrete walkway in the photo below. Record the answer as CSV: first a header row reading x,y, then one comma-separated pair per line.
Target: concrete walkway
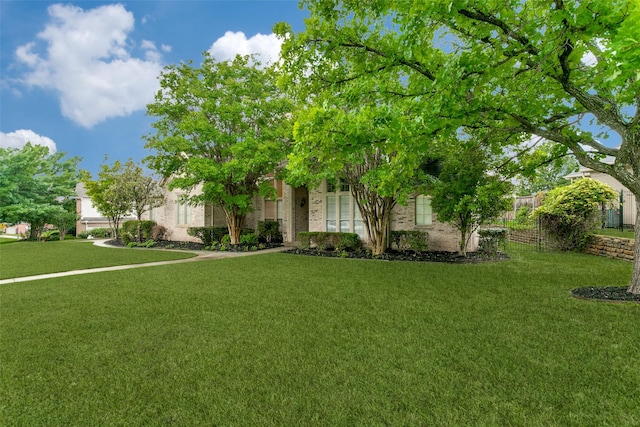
x,y
200,256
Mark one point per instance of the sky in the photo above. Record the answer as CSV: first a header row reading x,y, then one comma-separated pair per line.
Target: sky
x,y
77,76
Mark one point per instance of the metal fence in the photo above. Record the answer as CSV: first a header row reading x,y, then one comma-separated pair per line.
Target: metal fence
x,y
527,236
623,213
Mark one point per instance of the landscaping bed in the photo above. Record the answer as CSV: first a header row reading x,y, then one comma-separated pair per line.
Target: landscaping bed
x,y
610,293
195,246
393,255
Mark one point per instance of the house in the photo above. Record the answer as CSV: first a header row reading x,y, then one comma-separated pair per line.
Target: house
x,y
88,216
629,200
330,207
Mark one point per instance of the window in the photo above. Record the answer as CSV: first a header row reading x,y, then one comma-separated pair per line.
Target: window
x,y
274,209
342,213
184,213
331,213
424,214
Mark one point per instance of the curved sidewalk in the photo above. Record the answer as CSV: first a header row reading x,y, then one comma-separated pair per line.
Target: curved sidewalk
x,y
200,256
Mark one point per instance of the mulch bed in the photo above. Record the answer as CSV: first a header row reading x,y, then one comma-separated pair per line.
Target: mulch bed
x,y
611,294
192,246
429,256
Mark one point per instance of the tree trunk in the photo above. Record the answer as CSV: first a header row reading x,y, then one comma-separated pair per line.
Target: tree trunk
x,y
235,224
139,229
634,287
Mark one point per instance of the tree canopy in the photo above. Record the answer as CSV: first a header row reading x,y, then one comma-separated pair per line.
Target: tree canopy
x,y
222,126
34,184
545,67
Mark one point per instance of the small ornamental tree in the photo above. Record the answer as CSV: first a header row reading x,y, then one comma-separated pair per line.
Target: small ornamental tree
x,y
108,195
569,213
143,191
465,194
222,126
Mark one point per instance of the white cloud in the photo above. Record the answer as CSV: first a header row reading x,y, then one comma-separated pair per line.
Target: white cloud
x,y
88,63
266,47
19,139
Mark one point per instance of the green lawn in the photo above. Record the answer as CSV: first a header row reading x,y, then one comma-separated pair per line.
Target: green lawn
x,y
614,232
282,340
20,259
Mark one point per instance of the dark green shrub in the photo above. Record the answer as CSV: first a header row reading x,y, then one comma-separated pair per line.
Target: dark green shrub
x,y
129,231
249,239
492,238
410,240
269,232
101,233
82,235
208,235
326,240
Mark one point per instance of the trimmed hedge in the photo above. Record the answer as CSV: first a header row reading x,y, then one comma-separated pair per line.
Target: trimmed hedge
x,y
411,240
326,240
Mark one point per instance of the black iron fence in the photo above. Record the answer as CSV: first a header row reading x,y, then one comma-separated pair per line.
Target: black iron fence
x,y
523,236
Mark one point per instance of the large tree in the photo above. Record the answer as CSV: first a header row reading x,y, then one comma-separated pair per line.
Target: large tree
x,y
543,67
222,126
32,183
366,142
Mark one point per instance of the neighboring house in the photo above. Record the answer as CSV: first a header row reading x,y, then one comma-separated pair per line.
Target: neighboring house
x,y
88,216
330,207
629,205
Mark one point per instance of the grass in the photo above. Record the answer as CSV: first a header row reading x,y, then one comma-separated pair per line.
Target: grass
x,y
278,339
22,258
615,232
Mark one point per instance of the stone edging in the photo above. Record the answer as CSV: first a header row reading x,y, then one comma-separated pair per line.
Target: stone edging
x,y
610,247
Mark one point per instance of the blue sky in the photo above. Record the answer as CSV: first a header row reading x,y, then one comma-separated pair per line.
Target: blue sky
x,y
76,76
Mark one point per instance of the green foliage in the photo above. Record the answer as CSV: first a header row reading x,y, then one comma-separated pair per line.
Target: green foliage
x,y
208,235
545,168
410,240
329,241
33,182
569,213
129,231
466,194
222,126
492,238
249,239
101,233
523,215
269,232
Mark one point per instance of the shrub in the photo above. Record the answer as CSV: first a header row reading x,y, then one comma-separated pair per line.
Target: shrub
x,y
82,235
523,215
51,235
269,232
491,239
101,233
326,240
568,213
129,231
412,240
208,235
249,239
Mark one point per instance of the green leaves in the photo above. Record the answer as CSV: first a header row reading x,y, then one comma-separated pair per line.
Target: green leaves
x,y
32,181
222,125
